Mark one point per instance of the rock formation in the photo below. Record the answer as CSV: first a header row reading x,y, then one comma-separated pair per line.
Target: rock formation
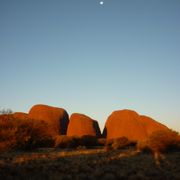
x,y
57,118
20,115
151,125
131,125
80,125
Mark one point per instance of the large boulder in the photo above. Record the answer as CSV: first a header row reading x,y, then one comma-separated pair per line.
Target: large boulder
x,y
124,123
130,124
81,125
20,115
56,118
151,125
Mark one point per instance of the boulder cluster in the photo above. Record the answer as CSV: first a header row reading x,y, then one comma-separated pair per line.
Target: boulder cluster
x,y
121,123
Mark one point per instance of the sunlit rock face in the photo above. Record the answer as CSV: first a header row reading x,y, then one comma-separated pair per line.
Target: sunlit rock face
x,y
151,125
80,125
57,118
20,115
130,124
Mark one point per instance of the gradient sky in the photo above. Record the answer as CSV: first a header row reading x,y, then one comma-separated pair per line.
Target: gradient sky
x,y
92,58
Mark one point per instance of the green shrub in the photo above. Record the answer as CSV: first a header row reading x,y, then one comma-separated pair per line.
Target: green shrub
x,y
160,141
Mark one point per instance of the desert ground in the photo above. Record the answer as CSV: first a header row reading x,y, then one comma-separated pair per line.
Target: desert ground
x,y
98,163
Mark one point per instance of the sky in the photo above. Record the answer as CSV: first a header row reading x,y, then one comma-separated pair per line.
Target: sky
x,y
91,58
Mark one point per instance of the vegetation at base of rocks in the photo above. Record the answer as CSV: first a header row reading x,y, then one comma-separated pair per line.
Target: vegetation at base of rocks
x,y
160,141
118,143
63,141
23,134
89,141
101,141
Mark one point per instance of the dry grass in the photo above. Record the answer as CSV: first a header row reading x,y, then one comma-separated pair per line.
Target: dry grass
x,y
88,164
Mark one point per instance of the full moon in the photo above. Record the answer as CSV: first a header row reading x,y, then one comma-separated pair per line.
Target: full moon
x,y
101,3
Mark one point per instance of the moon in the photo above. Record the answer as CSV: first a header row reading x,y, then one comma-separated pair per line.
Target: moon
x,y
101,3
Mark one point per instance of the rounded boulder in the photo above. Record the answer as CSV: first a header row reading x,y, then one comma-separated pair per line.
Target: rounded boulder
x,y
81,125
124,123
56,118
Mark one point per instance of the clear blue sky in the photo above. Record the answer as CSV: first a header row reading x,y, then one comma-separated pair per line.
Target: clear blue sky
x,y
92,58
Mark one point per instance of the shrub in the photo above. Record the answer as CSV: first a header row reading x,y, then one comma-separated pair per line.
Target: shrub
x,y
63,141
118,143
7,132
88,141
143,146
108,145
23,134
101,141
33,134
160,141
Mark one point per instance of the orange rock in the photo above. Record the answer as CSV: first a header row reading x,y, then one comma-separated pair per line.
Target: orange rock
x,y
130,124
151,125
57,118
20,115
80,125
124,123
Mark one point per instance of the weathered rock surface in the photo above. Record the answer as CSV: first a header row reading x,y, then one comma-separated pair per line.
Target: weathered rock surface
x,y
80,125
151,125
20,115
130,124
57,118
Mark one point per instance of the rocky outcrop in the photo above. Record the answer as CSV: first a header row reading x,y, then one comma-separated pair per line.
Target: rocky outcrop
x,y
20,115
80,125
56,118
151,125
130,124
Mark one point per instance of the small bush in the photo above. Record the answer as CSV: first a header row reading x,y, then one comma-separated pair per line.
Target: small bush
x,y
63,141
23,134
108,145
33,134
102,141
118,143
88,141
160,141
143,146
